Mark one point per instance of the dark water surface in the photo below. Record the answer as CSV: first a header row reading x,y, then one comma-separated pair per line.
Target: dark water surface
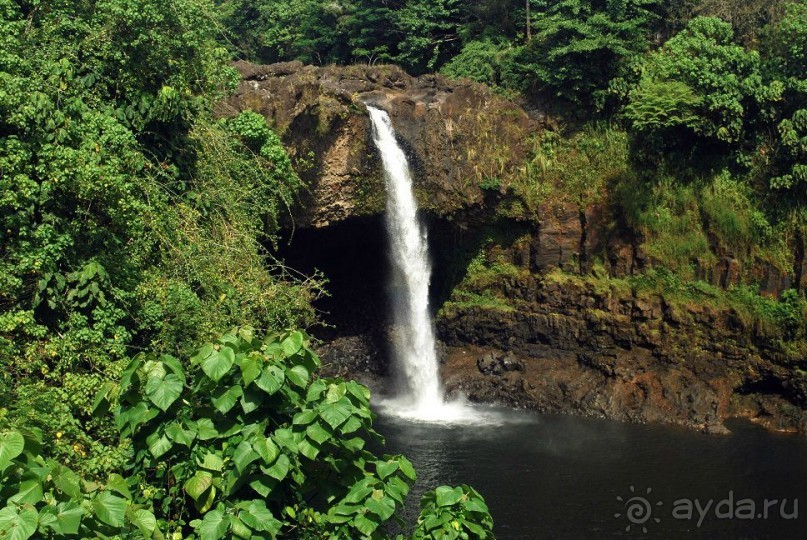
x,y
560,476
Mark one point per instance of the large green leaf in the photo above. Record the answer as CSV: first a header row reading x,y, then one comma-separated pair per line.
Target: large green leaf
x,y
69,515
447,496
271,379
205,352
366,526
251,367
12,443
384,508
298,375
386,468
292,344
212,462
406,468
305,417
280,469
266,448
18,523
197,484
175,366
318,433
64,518
66,481
335,392
308,449
159,445
243,456
145,521
219,363
30,493
227,398
263,486
109,508
258,516
179,435
164,392
251,400
117,483
335,413
206,429
239,530
214,525
206,501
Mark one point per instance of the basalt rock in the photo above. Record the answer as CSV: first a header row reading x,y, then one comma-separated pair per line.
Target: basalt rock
x,y
567,347
456,134
614,354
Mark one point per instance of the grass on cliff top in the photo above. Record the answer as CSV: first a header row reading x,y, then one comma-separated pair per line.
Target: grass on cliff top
x,y
685,226
572,169
781,320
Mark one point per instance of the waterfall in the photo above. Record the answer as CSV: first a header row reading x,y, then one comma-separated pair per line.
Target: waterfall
x,y
414,342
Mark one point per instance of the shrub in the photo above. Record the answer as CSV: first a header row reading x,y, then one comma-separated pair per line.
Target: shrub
x,y
247,442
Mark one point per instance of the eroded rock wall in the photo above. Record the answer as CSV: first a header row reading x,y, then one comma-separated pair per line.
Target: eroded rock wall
x,y
456,134
567,346
613,353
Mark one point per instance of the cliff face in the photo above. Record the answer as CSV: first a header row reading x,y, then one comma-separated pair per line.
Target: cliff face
x,y
457,134
556,341
578,347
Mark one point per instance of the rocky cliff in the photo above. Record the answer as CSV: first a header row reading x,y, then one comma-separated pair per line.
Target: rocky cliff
x,y
567,344
547,335
457,134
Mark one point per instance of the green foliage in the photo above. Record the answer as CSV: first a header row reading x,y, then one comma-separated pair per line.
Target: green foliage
x,y
747,17
419,35
481,286
569,169
785,58
739,227
44,499
248,442
581,46
781,319
127,218
245,444
658,105
696,91
453,513
430,30
483,61
272,30
674,236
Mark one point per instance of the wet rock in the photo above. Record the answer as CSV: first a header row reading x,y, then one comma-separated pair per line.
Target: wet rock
x,y
509,362
489,364
557,240
453,132
486,364
623,357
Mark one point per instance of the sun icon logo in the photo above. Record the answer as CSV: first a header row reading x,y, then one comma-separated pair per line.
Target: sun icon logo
x,y
638,510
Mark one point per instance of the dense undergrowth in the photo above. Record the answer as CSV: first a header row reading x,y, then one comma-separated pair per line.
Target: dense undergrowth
x,y
133,227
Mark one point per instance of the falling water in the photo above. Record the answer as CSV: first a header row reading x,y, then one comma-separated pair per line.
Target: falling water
x,y
414,341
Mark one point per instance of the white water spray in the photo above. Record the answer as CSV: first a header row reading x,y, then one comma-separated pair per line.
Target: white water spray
x,y
414,342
